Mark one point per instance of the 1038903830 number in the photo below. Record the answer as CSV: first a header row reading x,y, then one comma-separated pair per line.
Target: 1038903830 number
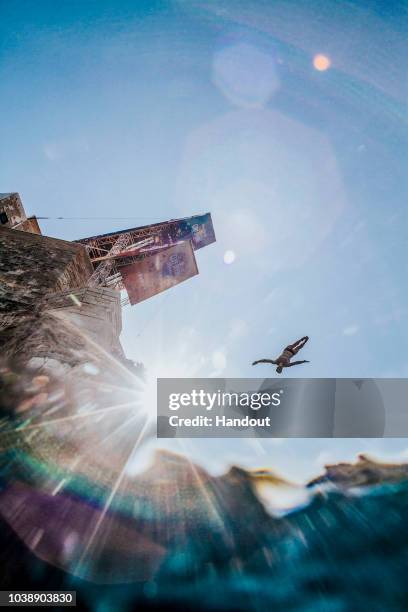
x,y
37,598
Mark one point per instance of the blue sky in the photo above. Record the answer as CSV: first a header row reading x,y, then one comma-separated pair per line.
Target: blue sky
x,y
156,110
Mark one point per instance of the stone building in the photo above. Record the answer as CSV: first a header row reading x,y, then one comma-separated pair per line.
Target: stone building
x,y
12,214
47,310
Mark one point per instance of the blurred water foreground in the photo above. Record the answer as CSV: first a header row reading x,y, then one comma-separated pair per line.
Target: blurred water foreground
x,y
175,536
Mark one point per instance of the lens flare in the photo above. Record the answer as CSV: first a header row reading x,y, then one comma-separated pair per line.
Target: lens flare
x,y
229,257
321,62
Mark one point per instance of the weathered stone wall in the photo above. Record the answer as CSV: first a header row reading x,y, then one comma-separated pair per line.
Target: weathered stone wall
x,y
43,338
32,266
30,225
47,311
95,312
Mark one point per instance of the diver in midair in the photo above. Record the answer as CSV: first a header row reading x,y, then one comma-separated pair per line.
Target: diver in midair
x,y
283,361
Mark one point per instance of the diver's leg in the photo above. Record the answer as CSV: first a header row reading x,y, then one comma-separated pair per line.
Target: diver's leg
x,y
296,346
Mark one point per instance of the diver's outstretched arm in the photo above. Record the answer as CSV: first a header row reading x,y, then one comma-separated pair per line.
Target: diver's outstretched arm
x,y
297,363
272,361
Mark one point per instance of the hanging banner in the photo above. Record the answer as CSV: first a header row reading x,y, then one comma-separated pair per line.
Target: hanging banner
x,y
202,230
159,271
